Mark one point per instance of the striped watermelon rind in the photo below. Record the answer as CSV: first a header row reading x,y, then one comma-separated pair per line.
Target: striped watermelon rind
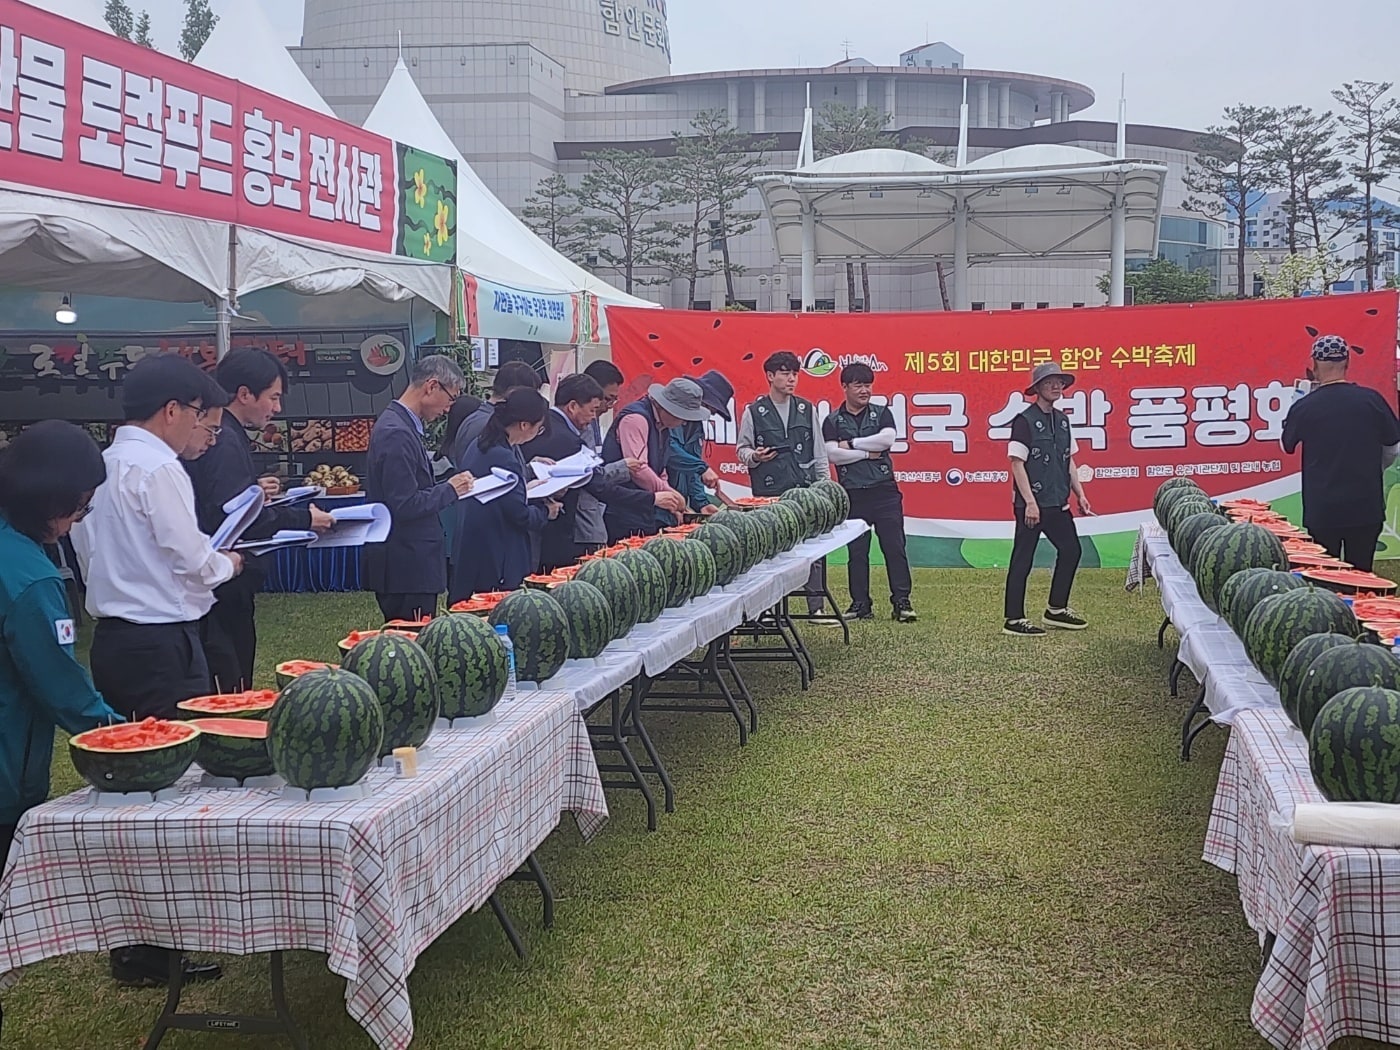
x,y
590,617
789,520
1295,668
234,748
814,509
325,730
403,677
770,531
470,662
619,587
838,496
539,630
151,768
650,580
1191,530
1338,669
1354,746
737,522
702,567
725,548
680,585
1180,511
1221,553
1171,491
1281,621
1244,590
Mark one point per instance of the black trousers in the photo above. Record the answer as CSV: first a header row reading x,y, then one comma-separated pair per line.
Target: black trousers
x,y
1057,525
230,635
144,670
407,606
883,507
1356,544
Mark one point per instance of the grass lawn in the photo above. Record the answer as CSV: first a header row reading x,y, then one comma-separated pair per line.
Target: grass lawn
x,y
955,839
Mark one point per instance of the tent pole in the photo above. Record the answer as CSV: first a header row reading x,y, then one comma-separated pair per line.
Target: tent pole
x,y
1117,249
809,258
227,303
961,298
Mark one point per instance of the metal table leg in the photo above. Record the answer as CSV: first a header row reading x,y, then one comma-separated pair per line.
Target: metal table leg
x,y
633,717
511,935
1189,732
233,1024
613,737
1162,632
533,872
709,682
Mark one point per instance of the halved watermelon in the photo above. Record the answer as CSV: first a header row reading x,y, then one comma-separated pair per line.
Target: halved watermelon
x,y
1296,546
233,747
408,626
288,670
545,580
1348,580
481,604
255,703
749,502
1316,561
1373,608
135,756
354,638
1385,630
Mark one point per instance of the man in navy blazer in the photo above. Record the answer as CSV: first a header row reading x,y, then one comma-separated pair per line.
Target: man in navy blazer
x,y
408,571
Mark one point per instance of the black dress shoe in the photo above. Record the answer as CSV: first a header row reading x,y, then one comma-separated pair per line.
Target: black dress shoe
x,y
142,966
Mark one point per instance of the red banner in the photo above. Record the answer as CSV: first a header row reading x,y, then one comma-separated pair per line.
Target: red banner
x,y
1198,390
87,114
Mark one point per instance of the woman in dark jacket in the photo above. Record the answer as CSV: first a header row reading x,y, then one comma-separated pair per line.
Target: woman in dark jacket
x,y
498,542
48,474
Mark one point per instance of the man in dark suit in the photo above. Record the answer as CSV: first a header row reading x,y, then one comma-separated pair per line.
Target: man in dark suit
x,y
408,571
577,402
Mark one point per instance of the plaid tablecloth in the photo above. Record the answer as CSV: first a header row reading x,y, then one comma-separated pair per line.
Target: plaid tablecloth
x,y
369,883
1335,911
1150,546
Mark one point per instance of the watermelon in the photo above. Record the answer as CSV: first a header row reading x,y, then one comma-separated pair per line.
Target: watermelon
x,y
813,508
1182,509
680,586
839,497
590,617
1244,590
1222,552
1281,621
289,669
650,580
1344,667
401,674
1354,746
737,522
1169,493
725,548
769,531
235,748
702,567
134,756
1295,668
255,703
539,629
619,587
1190,530
789,519
325,731
470,662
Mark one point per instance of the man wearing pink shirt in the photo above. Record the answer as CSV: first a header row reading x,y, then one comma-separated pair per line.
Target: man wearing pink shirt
x,y
639,433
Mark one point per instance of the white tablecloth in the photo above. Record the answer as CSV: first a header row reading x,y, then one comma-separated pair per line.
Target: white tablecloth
x,y
591,682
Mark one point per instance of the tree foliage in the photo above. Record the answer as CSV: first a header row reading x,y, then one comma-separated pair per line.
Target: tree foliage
x,y
622,199
142,34
1163,281
200,21
1302,145
119,18
1370,120
553,211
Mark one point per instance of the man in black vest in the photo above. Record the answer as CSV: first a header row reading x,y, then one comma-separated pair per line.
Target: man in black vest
x,y
1044,473
858,438
778,443
639,432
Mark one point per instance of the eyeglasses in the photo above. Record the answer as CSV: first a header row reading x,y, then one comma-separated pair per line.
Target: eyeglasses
x,y
213,432
87,509
451,397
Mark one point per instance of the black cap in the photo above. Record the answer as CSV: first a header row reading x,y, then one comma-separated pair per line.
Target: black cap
x,y
154,382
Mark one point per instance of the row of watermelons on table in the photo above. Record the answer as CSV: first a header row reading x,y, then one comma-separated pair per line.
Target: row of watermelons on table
x,y
329,725
1338,687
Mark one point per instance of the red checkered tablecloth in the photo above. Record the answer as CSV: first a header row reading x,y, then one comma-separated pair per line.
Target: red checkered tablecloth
x,y
1335,912
369,883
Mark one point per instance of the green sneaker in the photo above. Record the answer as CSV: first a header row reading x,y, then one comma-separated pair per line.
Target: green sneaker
x,y
1065,619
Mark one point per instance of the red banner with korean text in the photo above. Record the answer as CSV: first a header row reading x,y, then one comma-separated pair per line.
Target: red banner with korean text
x,y
86,114
1199,390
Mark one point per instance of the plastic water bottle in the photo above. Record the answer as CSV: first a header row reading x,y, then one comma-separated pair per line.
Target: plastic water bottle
x,y
503,633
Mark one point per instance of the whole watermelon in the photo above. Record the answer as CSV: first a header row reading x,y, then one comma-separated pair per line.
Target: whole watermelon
x,y
814,509
1280,622
1354,746
1169,493
702,567
1244,590
650,580
401,674
789,520
1183,509
325,730
590,617
768,529
724,547
539,630
737,522
470,661
1345,667
1222,552
1189,530
619,587
680,583
1295,668
826,509
838,496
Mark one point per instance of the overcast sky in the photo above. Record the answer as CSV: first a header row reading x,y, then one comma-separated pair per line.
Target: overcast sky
x,y
1184,60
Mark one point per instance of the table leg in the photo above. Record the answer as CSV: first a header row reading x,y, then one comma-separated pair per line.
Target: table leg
x,y
1162,632
1189,732
703,673
1174,677
232,1024
1266,950
657,767
534,872
509,927
613,737
727,660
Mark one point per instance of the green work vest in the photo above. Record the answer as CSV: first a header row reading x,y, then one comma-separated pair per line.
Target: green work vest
x,y
793,468
867,473
1047,466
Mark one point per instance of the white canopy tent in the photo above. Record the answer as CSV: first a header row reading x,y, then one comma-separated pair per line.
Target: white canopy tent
x,y
1038,201
245,47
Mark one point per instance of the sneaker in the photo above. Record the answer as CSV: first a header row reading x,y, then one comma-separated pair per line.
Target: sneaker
x,y
860,611
904,612
823,619
1022,629
1065,619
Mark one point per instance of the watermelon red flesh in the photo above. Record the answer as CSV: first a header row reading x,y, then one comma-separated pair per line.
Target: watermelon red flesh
x,y
402,677
289,669
589,615
255,703
650,580
470,662
1354,746
539,630
1221,553
138,756
325,731
1339,669
1280,622
1295,668
619,588
235,748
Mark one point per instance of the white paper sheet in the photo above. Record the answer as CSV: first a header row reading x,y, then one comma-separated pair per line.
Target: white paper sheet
x,y
242,511
277,541
296,495
356,526
494,487
553,486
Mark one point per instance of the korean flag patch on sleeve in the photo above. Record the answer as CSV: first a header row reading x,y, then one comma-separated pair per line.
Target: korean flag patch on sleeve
x,y
63,630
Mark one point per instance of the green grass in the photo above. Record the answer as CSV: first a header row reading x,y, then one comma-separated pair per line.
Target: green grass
x,y
955,839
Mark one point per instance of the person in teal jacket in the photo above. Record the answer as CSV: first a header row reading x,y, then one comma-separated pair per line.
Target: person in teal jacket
x,y
48,475
686,468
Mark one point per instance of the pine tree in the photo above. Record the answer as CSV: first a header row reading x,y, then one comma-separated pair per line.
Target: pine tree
x,y
200,21
621,199
119,20
142,35
1370,119
552,211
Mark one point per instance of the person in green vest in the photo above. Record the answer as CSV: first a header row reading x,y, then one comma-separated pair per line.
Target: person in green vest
x,y
858,436
1044,474
780,442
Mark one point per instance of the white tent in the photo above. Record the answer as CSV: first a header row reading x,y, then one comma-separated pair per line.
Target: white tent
x,y
245,47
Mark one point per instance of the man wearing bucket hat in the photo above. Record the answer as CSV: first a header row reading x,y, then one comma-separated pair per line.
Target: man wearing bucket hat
x,y
640,432
1044,473
1349,435
687,470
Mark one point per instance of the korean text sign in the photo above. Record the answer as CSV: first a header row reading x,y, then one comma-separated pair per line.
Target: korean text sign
x,y
86,114
1199,390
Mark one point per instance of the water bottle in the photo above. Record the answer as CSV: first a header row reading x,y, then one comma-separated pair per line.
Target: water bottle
x,y
503,633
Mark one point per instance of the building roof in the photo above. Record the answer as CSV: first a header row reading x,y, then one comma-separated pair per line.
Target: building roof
x,y
875,162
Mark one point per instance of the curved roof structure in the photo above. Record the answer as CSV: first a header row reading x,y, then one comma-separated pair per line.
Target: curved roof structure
x,y
874,161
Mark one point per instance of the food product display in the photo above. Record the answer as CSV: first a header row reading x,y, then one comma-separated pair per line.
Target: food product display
x,y
235,748
352,435
336,480
402,676
313,435
325,730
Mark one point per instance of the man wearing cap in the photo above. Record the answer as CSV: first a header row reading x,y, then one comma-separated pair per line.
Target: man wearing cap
x,y
687,469
1349,435
639,432
1044,473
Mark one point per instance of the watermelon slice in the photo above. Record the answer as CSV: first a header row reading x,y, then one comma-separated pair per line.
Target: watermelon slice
x,y
135,756
290,669
354,638
1372,608
254,703
407,626
1349,580
481,604
1316,561
235,748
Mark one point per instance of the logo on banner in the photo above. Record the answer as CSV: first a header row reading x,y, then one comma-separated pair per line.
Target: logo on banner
x,y
955,477
872,360
818,363
382,354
